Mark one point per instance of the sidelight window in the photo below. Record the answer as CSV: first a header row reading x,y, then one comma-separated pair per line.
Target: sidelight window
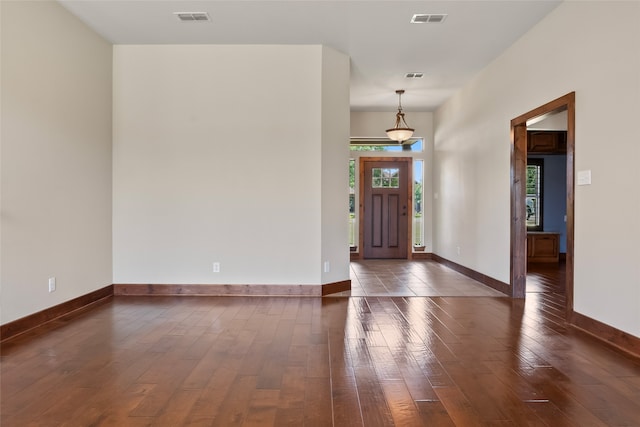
x,y
418,203
353,235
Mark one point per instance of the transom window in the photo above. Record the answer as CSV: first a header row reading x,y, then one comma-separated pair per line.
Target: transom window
x,y
385,178
384,144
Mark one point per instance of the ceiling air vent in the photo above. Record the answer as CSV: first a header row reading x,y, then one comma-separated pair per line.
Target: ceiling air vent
x,y
414,75
192,16
428,18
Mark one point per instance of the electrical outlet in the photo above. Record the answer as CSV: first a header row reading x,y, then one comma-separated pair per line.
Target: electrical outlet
x,y
52,284
216,267
458,249
327,267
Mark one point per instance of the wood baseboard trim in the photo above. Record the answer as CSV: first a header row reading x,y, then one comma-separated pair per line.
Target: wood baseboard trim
x,y
482,278
615,337
71,307
122,289
332,288
421,255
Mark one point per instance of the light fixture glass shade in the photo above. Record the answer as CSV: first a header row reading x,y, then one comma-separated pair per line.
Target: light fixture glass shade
x,y
399,134
401,131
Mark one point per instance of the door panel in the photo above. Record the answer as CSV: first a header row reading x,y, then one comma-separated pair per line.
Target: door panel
x,y
394,220
377,219
385,208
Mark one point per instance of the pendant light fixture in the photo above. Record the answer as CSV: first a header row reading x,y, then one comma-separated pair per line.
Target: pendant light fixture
x,y
401,131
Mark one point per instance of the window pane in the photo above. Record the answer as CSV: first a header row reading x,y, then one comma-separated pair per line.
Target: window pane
x,y
353,236
384,144
418,217
533,201
385,178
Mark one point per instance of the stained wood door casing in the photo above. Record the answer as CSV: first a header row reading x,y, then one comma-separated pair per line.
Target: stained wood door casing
x,y
386,211
518,195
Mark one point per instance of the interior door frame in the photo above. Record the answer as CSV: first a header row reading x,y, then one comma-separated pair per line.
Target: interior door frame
x,y
409,162
518,195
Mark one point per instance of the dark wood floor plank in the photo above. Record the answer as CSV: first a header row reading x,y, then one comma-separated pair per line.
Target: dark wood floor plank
x,y
550,414
468,384
263,407
233,409
289,417
403,408
177,410
344,391
548,385
345,400
317,402
434,414
458,407
214,393
112,409
374,407
292,392
206,366
165,390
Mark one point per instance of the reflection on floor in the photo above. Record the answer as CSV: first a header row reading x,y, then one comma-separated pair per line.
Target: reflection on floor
x,y
306,361
411,278
546,278
403,278
375,360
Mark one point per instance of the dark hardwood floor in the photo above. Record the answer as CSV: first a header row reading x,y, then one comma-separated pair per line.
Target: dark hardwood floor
x,y
402,278
546,278
310,361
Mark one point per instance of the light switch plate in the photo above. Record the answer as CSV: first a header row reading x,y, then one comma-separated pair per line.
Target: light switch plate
x,y
584,177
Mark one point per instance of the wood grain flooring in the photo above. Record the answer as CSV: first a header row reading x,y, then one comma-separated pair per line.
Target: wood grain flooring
x,y
411,278
546,278
312,361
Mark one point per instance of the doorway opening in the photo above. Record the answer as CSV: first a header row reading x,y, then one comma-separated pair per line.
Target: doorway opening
x,y
385,207
522,143
399,222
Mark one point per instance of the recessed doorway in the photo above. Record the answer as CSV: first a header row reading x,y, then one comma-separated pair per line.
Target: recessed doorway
x,y
385,207
521,144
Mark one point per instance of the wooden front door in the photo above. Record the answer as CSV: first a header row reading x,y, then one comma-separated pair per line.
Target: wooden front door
x,y
386,207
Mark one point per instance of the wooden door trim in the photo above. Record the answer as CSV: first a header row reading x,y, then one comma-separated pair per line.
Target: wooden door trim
x,y
409,162
518,180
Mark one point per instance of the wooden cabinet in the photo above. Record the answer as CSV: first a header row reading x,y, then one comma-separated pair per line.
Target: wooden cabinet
x,y
543,247
546,142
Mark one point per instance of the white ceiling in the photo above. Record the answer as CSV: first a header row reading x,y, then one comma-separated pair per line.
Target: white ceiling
x,y
377,35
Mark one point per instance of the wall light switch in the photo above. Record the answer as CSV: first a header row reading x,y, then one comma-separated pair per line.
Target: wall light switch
x,y
584,177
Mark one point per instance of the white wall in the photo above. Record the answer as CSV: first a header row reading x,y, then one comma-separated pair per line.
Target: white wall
x,y
335,165
218,157
56,158
573,49
373,125
556,121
